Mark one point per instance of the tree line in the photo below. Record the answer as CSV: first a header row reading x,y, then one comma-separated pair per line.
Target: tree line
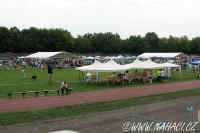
x,y
35,39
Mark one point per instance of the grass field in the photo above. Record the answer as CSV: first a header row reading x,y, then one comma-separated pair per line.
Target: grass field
x,y
12,81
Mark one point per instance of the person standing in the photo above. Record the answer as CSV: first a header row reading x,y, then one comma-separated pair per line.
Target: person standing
x,y
23,73
158,75
15,66
50,72
149,76
88,77
10,64
23,64
169,73
162,74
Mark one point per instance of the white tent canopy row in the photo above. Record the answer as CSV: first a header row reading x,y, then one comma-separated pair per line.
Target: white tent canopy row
x,y
137,64
169,65
48,55
159,55
42,55
89,67
112,66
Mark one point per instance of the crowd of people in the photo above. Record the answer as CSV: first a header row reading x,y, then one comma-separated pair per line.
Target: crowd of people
x,y
137,75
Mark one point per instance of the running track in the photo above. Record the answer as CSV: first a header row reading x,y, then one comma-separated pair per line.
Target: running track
x,y
8,105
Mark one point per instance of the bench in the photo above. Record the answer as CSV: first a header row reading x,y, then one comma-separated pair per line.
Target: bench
x,y
23,93
57,90
69,90
35,92
47,91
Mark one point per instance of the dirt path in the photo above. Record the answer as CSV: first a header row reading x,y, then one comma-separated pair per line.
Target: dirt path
x,y
29,103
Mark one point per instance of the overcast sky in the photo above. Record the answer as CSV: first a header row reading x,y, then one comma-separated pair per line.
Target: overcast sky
x,y
126,17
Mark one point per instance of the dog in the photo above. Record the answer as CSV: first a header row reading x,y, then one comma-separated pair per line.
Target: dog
x,y
34,77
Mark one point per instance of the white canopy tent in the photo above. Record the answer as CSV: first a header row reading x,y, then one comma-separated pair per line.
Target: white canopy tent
x,y
119,57
43,55
159,55
90,58
21,57
110,66
132,65
169,65
148,64
48,55
89,67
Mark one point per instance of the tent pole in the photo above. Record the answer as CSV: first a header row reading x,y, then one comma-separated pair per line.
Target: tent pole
x,y
180,72
79,75
82,76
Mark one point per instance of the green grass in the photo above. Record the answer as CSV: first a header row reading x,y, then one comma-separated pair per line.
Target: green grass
x,y
10,118
11,80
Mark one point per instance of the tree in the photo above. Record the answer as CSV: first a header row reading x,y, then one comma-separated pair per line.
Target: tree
x,y
172,45
194,47
83,45
34,39
151,42
136,45
15,42
183,45
4,39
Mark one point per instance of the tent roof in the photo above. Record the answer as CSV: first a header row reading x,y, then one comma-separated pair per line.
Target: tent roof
x,y
161,55
90,57
169,65
132,65
85,68
196,62
137,64
148,64
43,55
46,55
110,66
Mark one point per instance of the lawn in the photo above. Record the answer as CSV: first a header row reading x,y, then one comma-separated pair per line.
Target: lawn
x,y
12,81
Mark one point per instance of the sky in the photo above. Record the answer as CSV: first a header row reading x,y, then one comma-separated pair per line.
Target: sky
x,y
125,17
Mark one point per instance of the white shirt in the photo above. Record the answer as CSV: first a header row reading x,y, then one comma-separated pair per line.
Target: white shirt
x,y
162,73
63,85
23,63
